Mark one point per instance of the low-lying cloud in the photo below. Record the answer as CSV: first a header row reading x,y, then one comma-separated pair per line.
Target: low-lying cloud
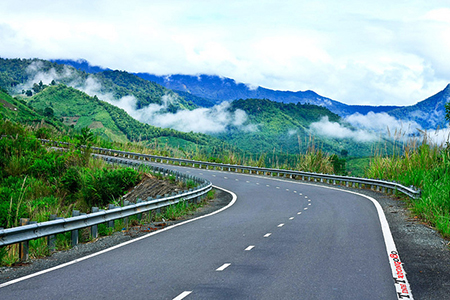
x,y
336,130
373,126
211,120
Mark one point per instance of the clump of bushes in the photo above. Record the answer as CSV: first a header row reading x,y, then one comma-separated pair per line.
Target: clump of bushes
x,y
36,181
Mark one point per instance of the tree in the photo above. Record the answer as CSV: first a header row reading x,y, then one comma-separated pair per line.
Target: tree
x,y
48,112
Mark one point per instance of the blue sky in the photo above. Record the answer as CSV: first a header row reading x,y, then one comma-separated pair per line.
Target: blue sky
x,y
356,52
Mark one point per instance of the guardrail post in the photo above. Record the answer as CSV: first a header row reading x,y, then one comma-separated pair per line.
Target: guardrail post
x,y
125,220
139,216
75,232
94,228
111,223
158,210
23,247
51,239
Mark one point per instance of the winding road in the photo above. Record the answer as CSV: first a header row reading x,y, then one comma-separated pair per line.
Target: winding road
x,y
277,239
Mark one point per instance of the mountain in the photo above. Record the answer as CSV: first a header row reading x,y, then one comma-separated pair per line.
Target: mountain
x,y
429,113
250,124
221,89
24,76
211,89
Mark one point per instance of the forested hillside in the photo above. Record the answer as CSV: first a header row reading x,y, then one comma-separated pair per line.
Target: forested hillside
x,y
285,128
26,76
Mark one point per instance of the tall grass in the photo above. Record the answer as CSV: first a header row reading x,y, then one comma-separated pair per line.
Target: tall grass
x,y
426,166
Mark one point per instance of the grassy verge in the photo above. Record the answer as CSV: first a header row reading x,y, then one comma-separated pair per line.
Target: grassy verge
x,y
425,166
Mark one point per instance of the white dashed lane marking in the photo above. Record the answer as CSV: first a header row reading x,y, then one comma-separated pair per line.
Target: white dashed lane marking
x,y
267,235
291,218
182,295
281,225
223,267
299,213
249,248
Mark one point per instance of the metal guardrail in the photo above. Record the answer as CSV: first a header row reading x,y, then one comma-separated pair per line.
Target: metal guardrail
x,y
355,182
33,231
25,233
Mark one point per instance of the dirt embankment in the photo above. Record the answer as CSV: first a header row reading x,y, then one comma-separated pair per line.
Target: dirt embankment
x,y
150,186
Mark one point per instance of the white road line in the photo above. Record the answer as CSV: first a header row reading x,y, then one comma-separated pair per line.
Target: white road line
x,y
214,175
299,213
267,235
291,218
267,185
223,267
278,187
306,197
248,181
200,173
300,194
309,203
249,248
257,183
182,295
281,225
237,179
287,190
309,200
225,177
305,208
295,191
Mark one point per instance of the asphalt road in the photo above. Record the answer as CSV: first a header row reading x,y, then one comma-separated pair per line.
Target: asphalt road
x,y
279,240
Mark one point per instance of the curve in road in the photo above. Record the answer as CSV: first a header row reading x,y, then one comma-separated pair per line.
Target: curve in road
x,y
283,239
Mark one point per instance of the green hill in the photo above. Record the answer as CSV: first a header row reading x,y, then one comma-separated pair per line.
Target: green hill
x,y
285,128
22,75
78,110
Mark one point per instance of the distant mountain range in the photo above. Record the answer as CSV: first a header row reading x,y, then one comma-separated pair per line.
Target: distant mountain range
x,y
208,90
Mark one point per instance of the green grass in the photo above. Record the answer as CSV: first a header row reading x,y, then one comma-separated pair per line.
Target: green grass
x,y
356,166
424,166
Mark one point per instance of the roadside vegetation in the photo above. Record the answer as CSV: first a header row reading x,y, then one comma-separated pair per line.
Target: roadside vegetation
x,y
426,166
38,181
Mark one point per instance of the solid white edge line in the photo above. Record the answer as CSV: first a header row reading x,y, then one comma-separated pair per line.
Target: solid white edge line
x,y
223,267
182,295
125,243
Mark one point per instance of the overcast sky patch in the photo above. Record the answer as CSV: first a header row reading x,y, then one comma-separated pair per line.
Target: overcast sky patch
x,y
378,52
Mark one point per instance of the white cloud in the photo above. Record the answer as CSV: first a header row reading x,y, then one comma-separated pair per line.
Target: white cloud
x,y
205,120
385,124
371,127
335,130
375,52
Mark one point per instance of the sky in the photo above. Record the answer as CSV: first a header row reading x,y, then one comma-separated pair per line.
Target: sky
x,y
357,52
